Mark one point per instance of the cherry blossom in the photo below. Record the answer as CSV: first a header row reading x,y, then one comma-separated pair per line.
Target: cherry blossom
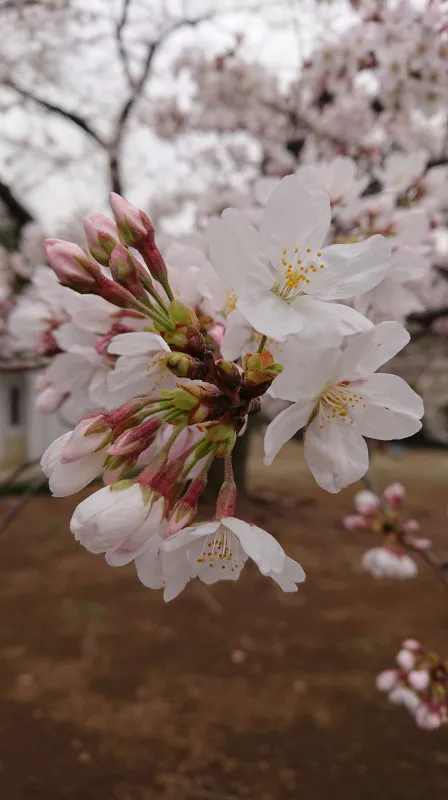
x,y
338,397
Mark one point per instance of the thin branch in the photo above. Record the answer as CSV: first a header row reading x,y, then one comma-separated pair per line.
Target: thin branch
x,y
426,318
24,498
121,24
18,212
138,87
72,116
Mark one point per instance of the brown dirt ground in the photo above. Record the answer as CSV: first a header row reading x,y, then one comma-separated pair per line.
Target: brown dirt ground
x,y
239,691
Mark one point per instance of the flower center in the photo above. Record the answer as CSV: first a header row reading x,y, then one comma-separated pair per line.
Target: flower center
x,y
296,272
337,401
219,549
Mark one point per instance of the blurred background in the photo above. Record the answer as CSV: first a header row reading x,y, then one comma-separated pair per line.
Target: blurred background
x,y
187,107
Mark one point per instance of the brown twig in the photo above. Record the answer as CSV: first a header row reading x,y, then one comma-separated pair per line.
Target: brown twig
x,y
16,508
121,25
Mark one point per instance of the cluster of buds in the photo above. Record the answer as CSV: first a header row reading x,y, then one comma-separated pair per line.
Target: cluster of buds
x,y
174,436
420,683
381,516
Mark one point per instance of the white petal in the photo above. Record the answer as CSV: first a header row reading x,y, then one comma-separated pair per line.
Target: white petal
x,y
294,217
328,321
148,565
134,344
268,313
188,535
336,454
283,427
71,478
366,352
51,459
392,411
291,575
234,248
351,269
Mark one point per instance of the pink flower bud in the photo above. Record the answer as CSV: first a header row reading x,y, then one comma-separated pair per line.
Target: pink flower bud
x,y
355,522
185,510
135,440
102,236
50,399
125,270
405,660
394,495
82,441
413,645
367,503
419,679
386,680
411,526
132,223
74,267
427,719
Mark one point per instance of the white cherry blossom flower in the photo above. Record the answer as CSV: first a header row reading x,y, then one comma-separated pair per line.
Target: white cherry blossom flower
x,y
401,170
338,398
336,177
117,520
217,550
382,562
66,478
141,366
282,274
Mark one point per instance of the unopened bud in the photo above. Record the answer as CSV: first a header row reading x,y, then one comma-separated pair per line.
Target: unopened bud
x,y
260,369
186,508
394,495
89,436
202,404
228,373
102,236
136,230
184,366
125,270
135,440
73,266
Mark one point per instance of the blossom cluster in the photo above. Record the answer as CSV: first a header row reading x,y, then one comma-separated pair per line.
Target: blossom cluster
x,y
166,358
380,516
419,683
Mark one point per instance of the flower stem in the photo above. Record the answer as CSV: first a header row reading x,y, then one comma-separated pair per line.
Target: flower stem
x,y
262,344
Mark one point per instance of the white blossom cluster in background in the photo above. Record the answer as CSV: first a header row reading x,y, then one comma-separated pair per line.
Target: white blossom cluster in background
x,y
419,683
380,516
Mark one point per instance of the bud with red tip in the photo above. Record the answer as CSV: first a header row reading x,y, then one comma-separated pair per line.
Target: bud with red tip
x,y
136,230
102,236
134,441
125,270
186,508
394,495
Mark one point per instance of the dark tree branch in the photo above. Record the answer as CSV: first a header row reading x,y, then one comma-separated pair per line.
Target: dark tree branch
x,y
426,318
18,212
137,89
79,121
120,42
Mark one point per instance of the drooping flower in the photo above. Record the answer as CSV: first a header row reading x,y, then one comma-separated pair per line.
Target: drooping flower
x,y
338,398
69,477
117,520
216,551
283,276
